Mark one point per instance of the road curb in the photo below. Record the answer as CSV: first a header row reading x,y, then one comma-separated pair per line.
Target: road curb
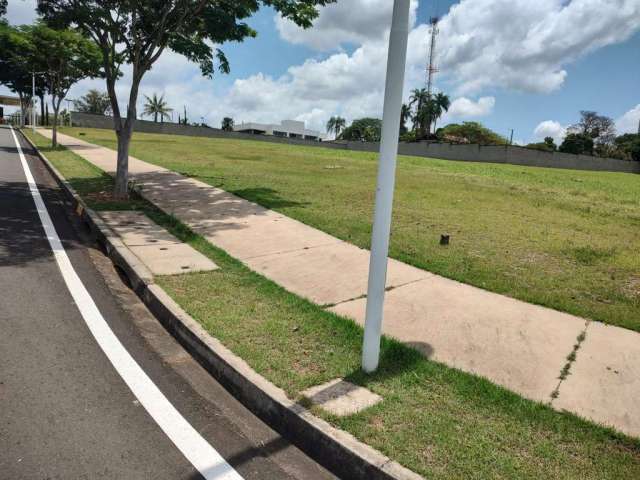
x,y
336,449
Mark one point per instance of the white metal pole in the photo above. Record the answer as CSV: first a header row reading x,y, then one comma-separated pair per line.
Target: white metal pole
x,y
396,64
33,102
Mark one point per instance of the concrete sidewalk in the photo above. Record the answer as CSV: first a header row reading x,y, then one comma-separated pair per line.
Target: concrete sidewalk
x,y
520,346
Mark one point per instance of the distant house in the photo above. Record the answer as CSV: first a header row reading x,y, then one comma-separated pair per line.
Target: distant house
x,y
287,128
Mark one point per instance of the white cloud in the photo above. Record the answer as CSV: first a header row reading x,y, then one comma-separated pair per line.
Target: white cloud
x,y
346,22
484,45
525,45
463,107
550,128
628,123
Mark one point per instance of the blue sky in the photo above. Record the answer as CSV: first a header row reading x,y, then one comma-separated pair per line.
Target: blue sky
x,y
530,66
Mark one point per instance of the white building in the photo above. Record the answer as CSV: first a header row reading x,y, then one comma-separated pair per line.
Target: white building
x,y
287,128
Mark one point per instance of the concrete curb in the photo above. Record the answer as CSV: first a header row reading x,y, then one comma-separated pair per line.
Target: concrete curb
x,y
337,450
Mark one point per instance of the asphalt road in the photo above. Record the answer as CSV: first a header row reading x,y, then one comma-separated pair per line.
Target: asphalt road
x,y
65,412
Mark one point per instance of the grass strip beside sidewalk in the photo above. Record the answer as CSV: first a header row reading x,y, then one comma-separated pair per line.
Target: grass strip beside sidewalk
x,y
565,239
438,421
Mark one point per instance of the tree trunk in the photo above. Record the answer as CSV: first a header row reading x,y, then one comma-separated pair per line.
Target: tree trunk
x,y
22,109
155,117
54,133
122,173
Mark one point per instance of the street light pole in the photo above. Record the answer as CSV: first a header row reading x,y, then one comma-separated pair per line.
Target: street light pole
x,y
33,100
396,64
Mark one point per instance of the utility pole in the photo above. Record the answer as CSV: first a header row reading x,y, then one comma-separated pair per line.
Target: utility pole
x,y
68,100
396,64
33,102
431,68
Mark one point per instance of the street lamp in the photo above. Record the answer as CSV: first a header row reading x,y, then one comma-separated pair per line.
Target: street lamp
x,y
396,64
69,100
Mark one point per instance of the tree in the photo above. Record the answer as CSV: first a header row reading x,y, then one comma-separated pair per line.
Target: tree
x,y
419,98
3,7
547,146
635,150
16,65
65,57
94,101
549,142
599,128
437,105
405,114
626,144
577,143
137,33
471,132
336,125
157,106
364,130
227,124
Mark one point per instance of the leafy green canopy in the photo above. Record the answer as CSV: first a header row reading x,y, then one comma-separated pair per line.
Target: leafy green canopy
x,y
577,143
136,32
470,132
363,129
94,101
16,61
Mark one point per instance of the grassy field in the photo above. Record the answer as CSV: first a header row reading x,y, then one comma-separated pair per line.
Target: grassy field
x,y
440,422
560,238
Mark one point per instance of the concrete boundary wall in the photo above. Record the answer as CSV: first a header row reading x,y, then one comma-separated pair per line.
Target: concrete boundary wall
x,y
513,155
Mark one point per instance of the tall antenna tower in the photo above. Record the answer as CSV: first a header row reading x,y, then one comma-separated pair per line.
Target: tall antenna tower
x,y
431,68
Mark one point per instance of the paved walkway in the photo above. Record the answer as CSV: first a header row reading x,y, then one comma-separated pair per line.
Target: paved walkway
x,y
520,346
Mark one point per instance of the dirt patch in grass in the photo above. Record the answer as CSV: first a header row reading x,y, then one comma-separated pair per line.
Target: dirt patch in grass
x,y
588,255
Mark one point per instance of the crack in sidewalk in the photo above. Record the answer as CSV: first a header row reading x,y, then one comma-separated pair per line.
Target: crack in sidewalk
x,y
571,359
364,295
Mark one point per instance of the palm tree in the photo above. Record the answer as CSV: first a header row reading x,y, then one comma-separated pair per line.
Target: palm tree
x,y
336,125
157,106
419,97
405,114
441,103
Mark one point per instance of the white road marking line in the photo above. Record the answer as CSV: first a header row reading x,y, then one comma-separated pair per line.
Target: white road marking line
x,y
196,449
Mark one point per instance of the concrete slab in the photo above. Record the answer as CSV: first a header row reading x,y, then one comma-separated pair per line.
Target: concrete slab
x,y
604,383
173,259
161,252
329,274
518,345
136,229
341,398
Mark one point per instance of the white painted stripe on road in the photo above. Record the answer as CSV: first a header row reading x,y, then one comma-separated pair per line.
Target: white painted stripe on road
x,y
196,449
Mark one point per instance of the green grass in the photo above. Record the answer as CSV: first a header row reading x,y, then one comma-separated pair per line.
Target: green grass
x,y
440,422
560,238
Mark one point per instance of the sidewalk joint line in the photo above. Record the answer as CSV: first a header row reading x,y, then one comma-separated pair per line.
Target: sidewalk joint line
x,y
283,252
571,359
